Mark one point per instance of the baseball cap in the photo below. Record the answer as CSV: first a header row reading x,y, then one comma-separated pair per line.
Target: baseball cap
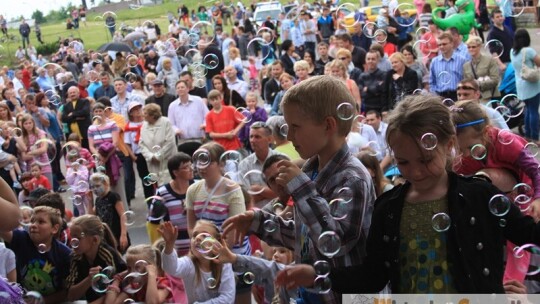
x,y
133,104
157,82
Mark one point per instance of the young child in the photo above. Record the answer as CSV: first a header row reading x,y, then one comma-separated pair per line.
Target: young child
x,y
223,122
157,288
437,223
10,146
256,114
42,261
7,264
253,74
319,135
204,280
26,183
39,180
486,147
94,249
77,175
74,141
110,209
264,272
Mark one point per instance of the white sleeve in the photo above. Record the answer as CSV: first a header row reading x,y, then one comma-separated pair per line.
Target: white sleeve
x,y
227,288
177,267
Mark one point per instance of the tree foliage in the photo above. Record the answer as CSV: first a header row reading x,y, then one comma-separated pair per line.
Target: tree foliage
x,y
37,15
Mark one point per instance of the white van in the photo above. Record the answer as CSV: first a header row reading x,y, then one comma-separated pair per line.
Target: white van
x,y
265,9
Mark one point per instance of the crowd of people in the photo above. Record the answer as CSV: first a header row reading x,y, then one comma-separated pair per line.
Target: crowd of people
x,y
300,160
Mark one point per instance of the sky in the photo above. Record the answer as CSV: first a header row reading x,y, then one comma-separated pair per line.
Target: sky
x,y
15,8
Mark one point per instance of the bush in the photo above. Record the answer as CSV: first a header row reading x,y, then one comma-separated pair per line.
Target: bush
x,y
47,48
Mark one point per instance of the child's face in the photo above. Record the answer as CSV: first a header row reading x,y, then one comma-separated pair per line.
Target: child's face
x,y
251,102
200,233
468,139
307,136
36,172
301,73
270,174
99,188
27,184
423,168
281,255
323,50
85,241
28,125
41,228
216,103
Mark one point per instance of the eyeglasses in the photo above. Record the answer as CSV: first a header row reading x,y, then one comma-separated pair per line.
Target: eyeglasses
x,y
465,87
472,46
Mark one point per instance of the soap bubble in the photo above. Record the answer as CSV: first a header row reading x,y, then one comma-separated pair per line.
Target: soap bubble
x,y
429,141
284,130
243,115
48,156
157,209
133,282
403,7
345,111
211,61
140,267
254,181
346,194
338,209
321,285
444,77
83,187
329,243
129,217
478,152
202,159
270,226
532,148
42,248
441,222
33,297
100,282
494,46
499,205
230,156
74,243
505,137
77,200
322,268
249,278
211,283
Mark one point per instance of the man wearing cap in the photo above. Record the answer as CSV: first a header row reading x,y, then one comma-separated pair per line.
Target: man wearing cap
x,y
76,114
122,99
106,89
160,97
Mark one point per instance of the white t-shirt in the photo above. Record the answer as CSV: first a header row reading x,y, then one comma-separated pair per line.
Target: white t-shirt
x,y
7,260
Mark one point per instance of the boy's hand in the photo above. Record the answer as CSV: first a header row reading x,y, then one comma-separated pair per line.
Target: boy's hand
x,y
287,171
240,224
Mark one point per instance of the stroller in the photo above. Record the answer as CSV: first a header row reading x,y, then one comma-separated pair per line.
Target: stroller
x,y
516,106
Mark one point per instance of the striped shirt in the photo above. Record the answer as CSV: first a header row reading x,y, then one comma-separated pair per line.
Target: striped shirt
x,y
177,216
101,134
445,74
219,208
312,210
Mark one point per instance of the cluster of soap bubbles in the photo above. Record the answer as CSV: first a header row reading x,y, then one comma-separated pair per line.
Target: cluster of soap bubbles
x,y
207,246
322,283
533,251
521,195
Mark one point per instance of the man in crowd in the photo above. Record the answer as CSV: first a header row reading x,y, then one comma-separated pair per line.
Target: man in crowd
x,y
446,70
121,101
160,97
193,90
358,54
106,89
76,114
272,86
24,30
503,34
234,83
372,84
151,61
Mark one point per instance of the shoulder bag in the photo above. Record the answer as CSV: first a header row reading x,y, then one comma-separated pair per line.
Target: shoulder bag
x,y
527,73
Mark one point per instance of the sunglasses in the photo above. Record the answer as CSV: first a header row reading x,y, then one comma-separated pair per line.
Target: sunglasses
x,y
472,46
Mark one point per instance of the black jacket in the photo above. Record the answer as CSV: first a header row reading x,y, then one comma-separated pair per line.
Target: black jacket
x,y
271,88
474,241
288,64
163,102
374,95
404,86
81,115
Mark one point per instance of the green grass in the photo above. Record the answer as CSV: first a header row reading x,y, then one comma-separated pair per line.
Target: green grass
x,y
96,34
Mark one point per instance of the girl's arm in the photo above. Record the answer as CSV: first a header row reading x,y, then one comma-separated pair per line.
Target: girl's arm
x,y
119,206
77,291
356,94
115,137
93,149
9,217
154,295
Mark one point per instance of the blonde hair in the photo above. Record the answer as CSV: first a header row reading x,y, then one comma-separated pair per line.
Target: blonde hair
x,y
147,253
234,52
344,52
153,110
399,56
286,75
338,64
318,97
100,178
301,64
474,40
469,110
93,226
252,95
54,214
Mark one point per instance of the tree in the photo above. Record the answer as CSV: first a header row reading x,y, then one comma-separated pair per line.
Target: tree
x,y
37,15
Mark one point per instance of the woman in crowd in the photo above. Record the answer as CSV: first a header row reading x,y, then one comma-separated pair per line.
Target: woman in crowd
x,y
401,80
230,97
168,75
483,68
410,60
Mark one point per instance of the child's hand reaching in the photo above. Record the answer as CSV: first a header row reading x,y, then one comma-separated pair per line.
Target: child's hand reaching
x,y
287,171
93,271
169,234
225,254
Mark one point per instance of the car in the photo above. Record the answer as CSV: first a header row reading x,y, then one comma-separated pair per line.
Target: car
x,y
264,10
371,12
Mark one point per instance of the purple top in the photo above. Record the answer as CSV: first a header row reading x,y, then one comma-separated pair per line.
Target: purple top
x,y
259,115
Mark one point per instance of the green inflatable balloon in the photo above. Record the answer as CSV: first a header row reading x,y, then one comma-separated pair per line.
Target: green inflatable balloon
x,y
464,21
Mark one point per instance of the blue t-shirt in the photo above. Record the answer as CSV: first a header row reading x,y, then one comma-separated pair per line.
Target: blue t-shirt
x,y
41,272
